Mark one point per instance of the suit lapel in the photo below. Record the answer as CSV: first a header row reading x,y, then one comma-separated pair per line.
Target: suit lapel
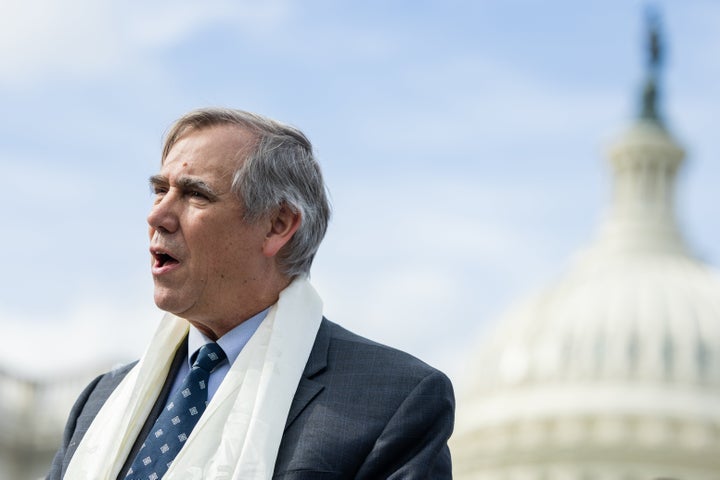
x,y
180,357
310,387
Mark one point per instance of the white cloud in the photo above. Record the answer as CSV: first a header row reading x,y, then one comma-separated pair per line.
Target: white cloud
x,y
82,39
473,103
425,276
38,37
95,335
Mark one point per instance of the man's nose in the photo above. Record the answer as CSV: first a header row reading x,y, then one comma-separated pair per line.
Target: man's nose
x,y
164,216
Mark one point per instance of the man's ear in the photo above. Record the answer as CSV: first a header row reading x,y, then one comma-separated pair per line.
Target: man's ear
x,y
283,225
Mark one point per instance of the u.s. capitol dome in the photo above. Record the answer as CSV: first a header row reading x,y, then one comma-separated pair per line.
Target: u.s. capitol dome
x,y
613,372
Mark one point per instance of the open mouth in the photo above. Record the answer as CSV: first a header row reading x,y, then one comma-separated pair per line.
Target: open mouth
x,y
163,259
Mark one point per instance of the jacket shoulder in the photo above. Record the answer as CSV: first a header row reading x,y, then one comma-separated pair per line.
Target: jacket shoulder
x,y
81,415
366,410
344,346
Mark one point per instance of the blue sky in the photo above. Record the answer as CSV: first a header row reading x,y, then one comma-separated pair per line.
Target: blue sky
x,y
463,144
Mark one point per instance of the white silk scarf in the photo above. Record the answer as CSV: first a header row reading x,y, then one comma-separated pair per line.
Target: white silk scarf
x,y
239,434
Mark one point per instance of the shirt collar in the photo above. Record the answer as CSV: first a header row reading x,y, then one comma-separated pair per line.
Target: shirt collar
x,y
232,342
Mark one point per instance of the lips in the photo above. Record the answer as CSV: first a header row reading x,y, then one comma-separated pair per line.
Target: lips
x,y
163,261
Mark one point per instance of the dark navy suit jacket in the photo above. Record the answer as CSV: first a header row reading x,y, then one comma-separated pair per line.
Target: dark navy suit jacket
x,y
361,410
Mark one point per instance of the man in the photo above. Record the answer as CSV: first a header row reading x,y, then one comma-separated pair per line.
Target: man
x,y
266,387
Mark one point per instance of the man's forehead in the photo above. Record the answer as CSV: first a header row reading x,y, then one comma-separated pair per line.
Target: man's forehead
x,y
236,139
211,155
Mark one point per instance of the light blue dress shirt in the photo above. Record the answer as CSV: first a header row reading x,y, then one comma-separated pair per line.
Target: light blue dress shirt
x,y
232,344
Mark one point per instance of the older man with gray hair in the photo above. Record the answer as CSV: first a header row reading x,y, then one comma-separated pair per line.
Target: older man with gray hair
x,y
244,378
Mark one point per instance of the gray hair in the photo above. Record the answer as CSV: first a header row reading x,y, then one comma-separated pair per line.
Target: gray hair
x,y
280,170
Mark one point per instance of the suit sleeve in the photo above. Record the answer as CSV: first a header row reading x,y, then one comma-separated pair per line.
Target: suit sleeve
x,y
413,445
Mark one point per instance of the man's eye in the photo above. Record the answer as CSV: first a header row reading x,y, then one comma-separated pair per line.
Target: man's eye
x,y
196,194
159,190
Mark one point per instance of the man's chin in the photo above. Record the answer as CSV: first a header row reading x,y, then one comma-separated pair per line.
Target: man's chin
x,y
171,303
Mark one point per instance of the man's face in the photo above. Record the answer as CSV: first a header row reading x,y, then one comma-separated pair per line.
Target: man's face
x,y
207,263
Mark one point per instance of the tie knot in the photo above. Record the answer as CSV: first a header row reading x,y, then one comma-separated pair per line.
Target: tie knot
x,y
209,356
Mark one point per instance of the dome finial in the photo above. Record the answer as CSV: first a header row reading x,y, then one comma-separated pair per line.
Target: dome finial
x,y
649,109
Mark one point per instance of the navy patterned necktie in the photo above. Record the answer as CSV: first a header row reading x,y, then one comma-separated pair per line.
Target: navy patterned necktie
x,y
177,420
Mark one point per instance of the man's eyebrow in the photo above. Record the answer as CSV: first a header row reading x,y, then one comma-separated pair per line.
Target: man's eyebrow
x,y
157,180
195,184
186,184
